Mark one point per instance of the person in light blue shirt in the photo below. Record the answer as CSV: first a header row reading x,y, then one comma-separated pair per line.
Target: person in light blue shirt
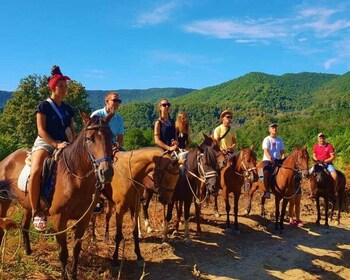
x,y
112,102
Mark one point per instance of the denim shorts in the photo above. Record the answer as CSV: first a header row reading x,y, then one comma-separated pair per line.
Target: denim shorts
x,y
41,144
330,167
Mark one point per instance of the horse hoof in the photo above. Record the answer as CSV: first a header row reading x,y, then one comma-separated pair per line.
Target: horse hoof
x,y
189,242
217,215
228,230
140,262
246,212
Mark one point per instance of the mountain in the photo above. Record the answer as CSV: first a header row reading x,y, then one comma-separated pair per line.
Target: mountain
x,y
4,96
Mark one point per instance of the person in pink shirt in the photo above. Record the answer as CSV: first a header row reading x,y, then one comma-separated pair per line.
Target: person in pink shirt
x,y
324,152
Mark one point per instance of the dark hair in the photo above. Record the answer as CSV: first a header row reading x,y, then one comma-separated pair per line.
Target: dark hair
x,y
55,70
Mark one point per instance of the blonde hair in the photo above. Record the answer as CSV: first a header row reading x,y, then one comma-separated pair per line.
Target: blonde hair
x,y
181,126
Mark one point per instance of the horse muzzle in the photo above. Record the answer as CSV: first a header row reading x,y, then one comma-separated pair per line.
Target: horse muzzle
x,y
105,172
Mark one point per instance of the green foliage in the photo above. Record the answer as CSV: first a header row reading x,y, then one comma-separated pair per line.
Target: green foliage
x,y
135,138
18,121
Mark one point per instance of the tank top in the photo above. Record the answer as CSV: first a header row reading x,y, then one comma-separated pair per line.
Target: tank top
x,y
167,131
182,138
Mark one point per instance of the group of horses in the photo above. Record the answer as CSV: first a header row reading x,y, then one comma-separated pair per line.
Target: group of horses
x,y
88,168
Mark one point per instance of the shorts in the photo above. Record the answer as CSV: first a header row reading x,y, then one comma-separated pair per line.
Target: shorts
x,y
330,167
267,165
41,144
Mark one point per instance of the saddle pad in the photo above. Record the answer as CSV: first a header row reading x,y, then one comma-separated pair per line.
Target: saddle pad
x,y
23,178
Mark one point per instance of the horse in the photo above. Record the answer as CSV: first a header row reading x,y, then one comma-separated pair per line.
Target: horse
x,y
81,168
199,168
241,169
282,183
323,185
130,169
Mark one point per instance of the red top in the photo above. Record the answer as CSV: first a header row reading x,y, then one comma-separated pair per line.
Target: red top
x,y
323,152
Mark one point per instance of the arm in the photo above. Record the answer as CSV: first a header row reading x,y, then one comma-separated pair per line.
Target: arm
x,y
71,126
120,140
330,159
282,154
41,125
267,153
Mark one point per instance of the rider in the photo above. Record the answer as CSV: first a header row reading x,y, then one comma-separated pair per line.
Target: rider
x,y
225,134
164,128
273,147
324,152
54,120
183,130
116,123
112,102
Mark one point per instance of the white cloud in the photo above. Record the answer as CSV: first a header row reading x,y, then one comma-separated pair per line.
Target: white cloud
x,y
98,74
328,64
158,15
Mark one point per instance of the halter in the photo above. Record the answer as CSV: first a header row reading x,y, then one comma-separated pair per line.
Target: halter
x,y
246,171
95,162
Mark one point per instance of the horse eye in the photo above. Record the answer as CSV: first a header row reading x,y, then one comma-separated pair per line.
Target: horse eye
x,y
89,140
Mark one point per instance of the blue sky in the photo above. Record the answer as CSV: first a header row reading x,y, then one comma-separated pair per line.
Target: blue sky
x,y
139,44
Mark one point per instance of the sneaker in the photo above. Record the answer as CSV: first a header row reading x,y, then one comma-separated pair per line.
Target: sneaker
x,y
292,222
299,223
39,223
267,195
99,208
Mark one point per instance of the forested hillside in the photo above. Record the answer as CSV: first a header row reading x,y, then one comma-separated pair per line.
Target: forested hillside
x,y
302,104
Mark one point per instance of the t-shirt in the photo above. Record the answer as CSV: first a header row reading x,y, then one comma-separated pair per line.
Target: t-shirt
x,y
116,123
323,152
227,141
54,126
274,146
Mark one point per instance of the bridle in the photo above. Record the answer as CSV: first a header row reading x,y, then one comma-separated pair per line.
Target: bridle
x,y
94,162
248,173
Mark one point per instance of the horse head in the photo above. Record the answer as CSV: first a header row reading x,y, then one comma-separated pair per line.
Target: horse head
x,y
165,176
244,163
210,141
301,157
320,172
208,167
97,142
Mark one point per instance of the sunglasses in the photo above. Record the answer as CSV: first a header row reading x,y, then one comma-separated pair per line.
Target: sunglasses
x,y
116,100
165,104
228,117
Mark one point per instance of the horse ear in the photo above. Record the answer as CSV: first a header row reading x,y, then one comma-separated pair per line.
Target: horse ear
x,y
252,147
85,117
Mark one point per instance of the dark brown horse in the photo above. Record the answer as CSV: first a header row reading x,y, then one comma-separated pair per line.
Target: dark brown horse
x,y
283,187
82,166
130,169
200,167
240,170
322,184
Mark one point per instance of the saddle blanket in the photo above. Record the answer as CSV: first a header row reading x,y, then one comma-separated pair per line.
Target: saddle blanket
x,y
23,178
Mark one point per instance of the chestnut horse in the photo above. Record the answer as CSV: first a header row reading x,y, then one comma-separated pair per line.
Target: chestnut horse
x,y
200,167
82,166
241,169
283,187
130,169
322,182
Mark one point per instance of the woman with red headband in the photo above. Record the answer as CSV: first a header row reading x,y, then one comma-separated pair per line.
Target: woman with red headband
x,y
54,120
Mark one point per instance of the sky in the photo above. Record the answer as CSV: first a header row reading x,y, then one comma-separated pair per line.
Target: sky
x,y
140,44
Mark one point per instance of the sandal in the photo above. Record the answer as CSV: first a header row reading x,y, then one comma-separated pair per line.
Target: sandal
x,y
40,222
292,222
299,223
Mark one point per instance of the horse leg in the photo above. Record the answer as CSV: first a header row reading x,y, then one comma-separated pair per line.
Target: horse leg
x,y
318,211
108,218
277,211
250,198
135,232
60,225
167,221
228,208
26,220
179,211
145,205
93,227
187,206
235,210
283,213
340,204
4,206
79,232
216,208
326,201
119,215
198,217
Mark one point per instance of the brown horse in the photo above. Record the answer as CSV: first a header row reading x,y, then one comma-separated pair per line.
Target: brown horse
x,y
82,166
200,167
322,183
283,187
130,169
241,169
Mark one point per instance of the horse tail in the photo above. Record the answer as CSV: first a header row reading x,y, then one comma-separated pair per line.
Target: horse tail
x,y
5,190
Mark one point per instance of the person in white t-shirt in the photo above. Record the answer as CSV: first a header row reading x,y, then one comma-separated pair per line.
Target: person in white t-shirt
x,y
273,147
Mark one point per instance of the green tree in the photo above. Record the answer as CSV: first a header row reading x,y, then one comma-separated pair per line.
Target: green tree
x,y
135,139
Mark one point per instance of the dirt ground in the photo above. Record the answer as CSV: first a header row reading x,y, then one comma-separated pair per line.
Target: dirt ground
x,y
258,252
